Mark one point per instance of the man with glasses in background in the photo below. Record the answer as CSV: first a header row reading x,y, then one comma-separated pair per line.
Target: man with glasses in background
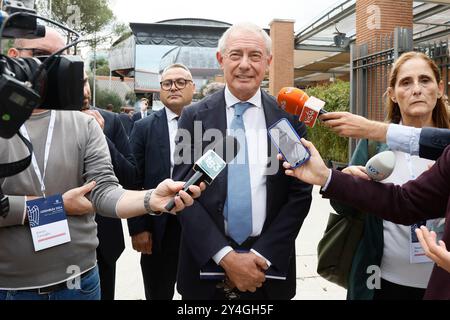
x,y
153,143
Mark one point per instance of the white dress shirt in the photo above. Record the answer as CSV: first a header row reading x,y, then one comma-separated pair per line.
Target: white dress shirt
x,y
172,124
256,135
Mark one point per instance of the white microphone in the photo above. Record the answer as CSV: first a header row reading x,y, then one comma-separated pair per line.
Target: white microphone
x,y
380,166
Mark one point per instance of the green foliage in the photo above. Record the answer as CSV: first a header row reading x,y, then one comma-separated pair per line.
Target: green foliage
x,y
93,19
94,14
337,97
130,98
102,66
6,45
105,97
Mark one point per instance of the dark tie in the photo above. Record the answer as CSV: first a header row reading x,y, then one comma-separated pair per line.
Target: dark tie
x,y
239,196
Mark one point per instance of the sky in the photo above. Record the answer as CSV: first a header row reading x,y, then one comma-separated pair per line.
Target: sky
x,y
261,12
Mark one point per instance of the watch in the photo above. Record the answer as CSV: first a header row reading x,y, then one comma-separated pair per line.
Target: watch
x,y
147,207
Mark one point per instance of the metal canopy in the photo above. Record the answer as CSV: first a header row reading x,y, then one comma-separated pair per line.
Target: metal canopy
x,y
177,35
317,58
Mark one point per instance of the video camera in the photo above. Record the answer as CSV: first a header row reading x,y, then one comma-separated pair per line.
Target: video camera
x,y
54,81
46,82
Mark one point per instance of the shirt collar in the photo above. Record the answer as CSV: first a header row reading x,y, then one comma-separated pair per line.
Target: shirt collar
x,y
170,114
231,100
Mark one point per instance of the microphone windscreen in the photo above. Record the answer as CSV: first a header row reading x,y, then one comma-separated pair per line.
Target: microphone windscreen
x,y
381,166
292,100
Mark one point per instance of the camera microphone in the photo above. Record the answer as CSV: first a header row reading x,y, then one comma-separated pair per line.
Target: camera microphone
x,y
381,165
295,101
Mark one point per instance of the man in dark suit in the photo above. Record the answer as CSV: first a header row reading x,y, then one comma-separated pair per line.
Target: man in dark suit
x,y
127,122
153,143
261,213
109,230
143,112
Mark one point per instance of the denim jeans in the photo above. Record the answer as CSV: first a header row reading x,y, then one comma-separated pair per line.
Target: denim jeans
x,y
89,290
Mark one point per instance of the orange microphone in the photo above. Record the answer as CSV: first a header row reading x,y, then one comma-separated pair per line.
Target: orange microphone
x,y
295,101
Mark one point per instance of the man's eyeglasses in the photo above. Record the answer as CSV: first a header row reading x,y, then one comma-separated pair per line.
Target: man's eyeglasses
x,y
179,84
36,52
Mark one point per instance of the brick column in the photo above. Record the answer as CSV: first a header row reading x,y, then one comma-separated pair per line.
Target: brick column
x,y
376,21
375,18
281,73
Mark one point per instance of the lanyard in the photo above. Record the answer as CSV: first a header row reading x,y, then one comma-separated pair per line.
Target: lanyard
x,y
48,143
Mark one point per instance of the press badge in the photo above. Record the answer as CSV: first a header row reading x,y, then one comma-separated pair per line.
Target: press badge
x,y
416,252
48,222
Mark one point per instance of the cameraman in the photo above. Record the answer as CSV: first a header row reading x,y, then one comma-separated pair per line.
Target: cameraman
x,y
70,151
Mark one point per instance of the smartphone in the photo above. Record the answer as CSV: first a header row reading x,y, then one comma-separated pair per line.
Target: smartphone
x,y
288,143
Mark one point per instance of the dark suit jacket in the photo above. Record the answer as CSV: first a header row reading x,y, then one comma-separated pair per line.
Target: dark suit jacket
x,y
203,234
109,230
427,197
127,122
149,141
138,116
432,142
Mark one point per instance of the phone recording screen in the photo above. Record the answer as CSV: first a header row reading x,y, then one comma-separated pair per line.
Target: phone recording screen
x,y
288,142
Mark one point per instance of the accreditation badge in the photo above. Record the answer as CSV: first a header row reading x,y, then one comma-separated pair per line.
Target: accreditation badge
x,y
48,222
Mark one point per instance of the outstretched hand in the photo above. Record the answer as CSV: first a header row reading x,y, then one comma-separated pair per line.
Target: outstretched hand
x,y
437,253
350,125
167,190
313,171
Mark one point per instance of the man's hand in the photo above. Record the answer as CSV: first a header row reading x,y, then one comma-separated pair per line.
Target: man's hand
x,y
437,253
142,242
313,171
350,125
244,270
97,116
357,171
75,202
167,189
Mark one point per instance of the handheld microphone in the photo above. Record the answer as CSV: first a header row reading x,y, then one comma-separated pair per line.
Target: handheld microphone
x,y
295,101
208,167
380,166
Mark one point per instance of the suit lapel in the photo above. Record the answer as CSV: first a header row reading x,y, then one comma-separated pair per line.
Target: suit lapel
x,y
162,134
213,116
272,114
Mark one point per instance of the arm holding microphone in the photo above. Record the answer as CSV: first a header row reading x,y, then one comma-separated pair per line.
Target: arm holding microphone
x,y
420,199
428,143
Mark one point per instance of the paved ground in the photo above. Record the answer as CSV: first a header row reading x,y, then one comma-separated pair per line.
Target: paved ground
x,y
310,286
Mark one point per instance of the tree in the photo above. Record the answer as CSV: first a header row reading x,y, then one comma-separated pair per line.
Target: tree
x,y
84,16
93,19
105,97
102,66
130,98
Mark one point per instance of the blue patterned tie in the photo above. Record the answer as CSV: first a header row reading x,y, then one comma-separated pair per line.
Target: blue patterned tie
x,y
239,196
